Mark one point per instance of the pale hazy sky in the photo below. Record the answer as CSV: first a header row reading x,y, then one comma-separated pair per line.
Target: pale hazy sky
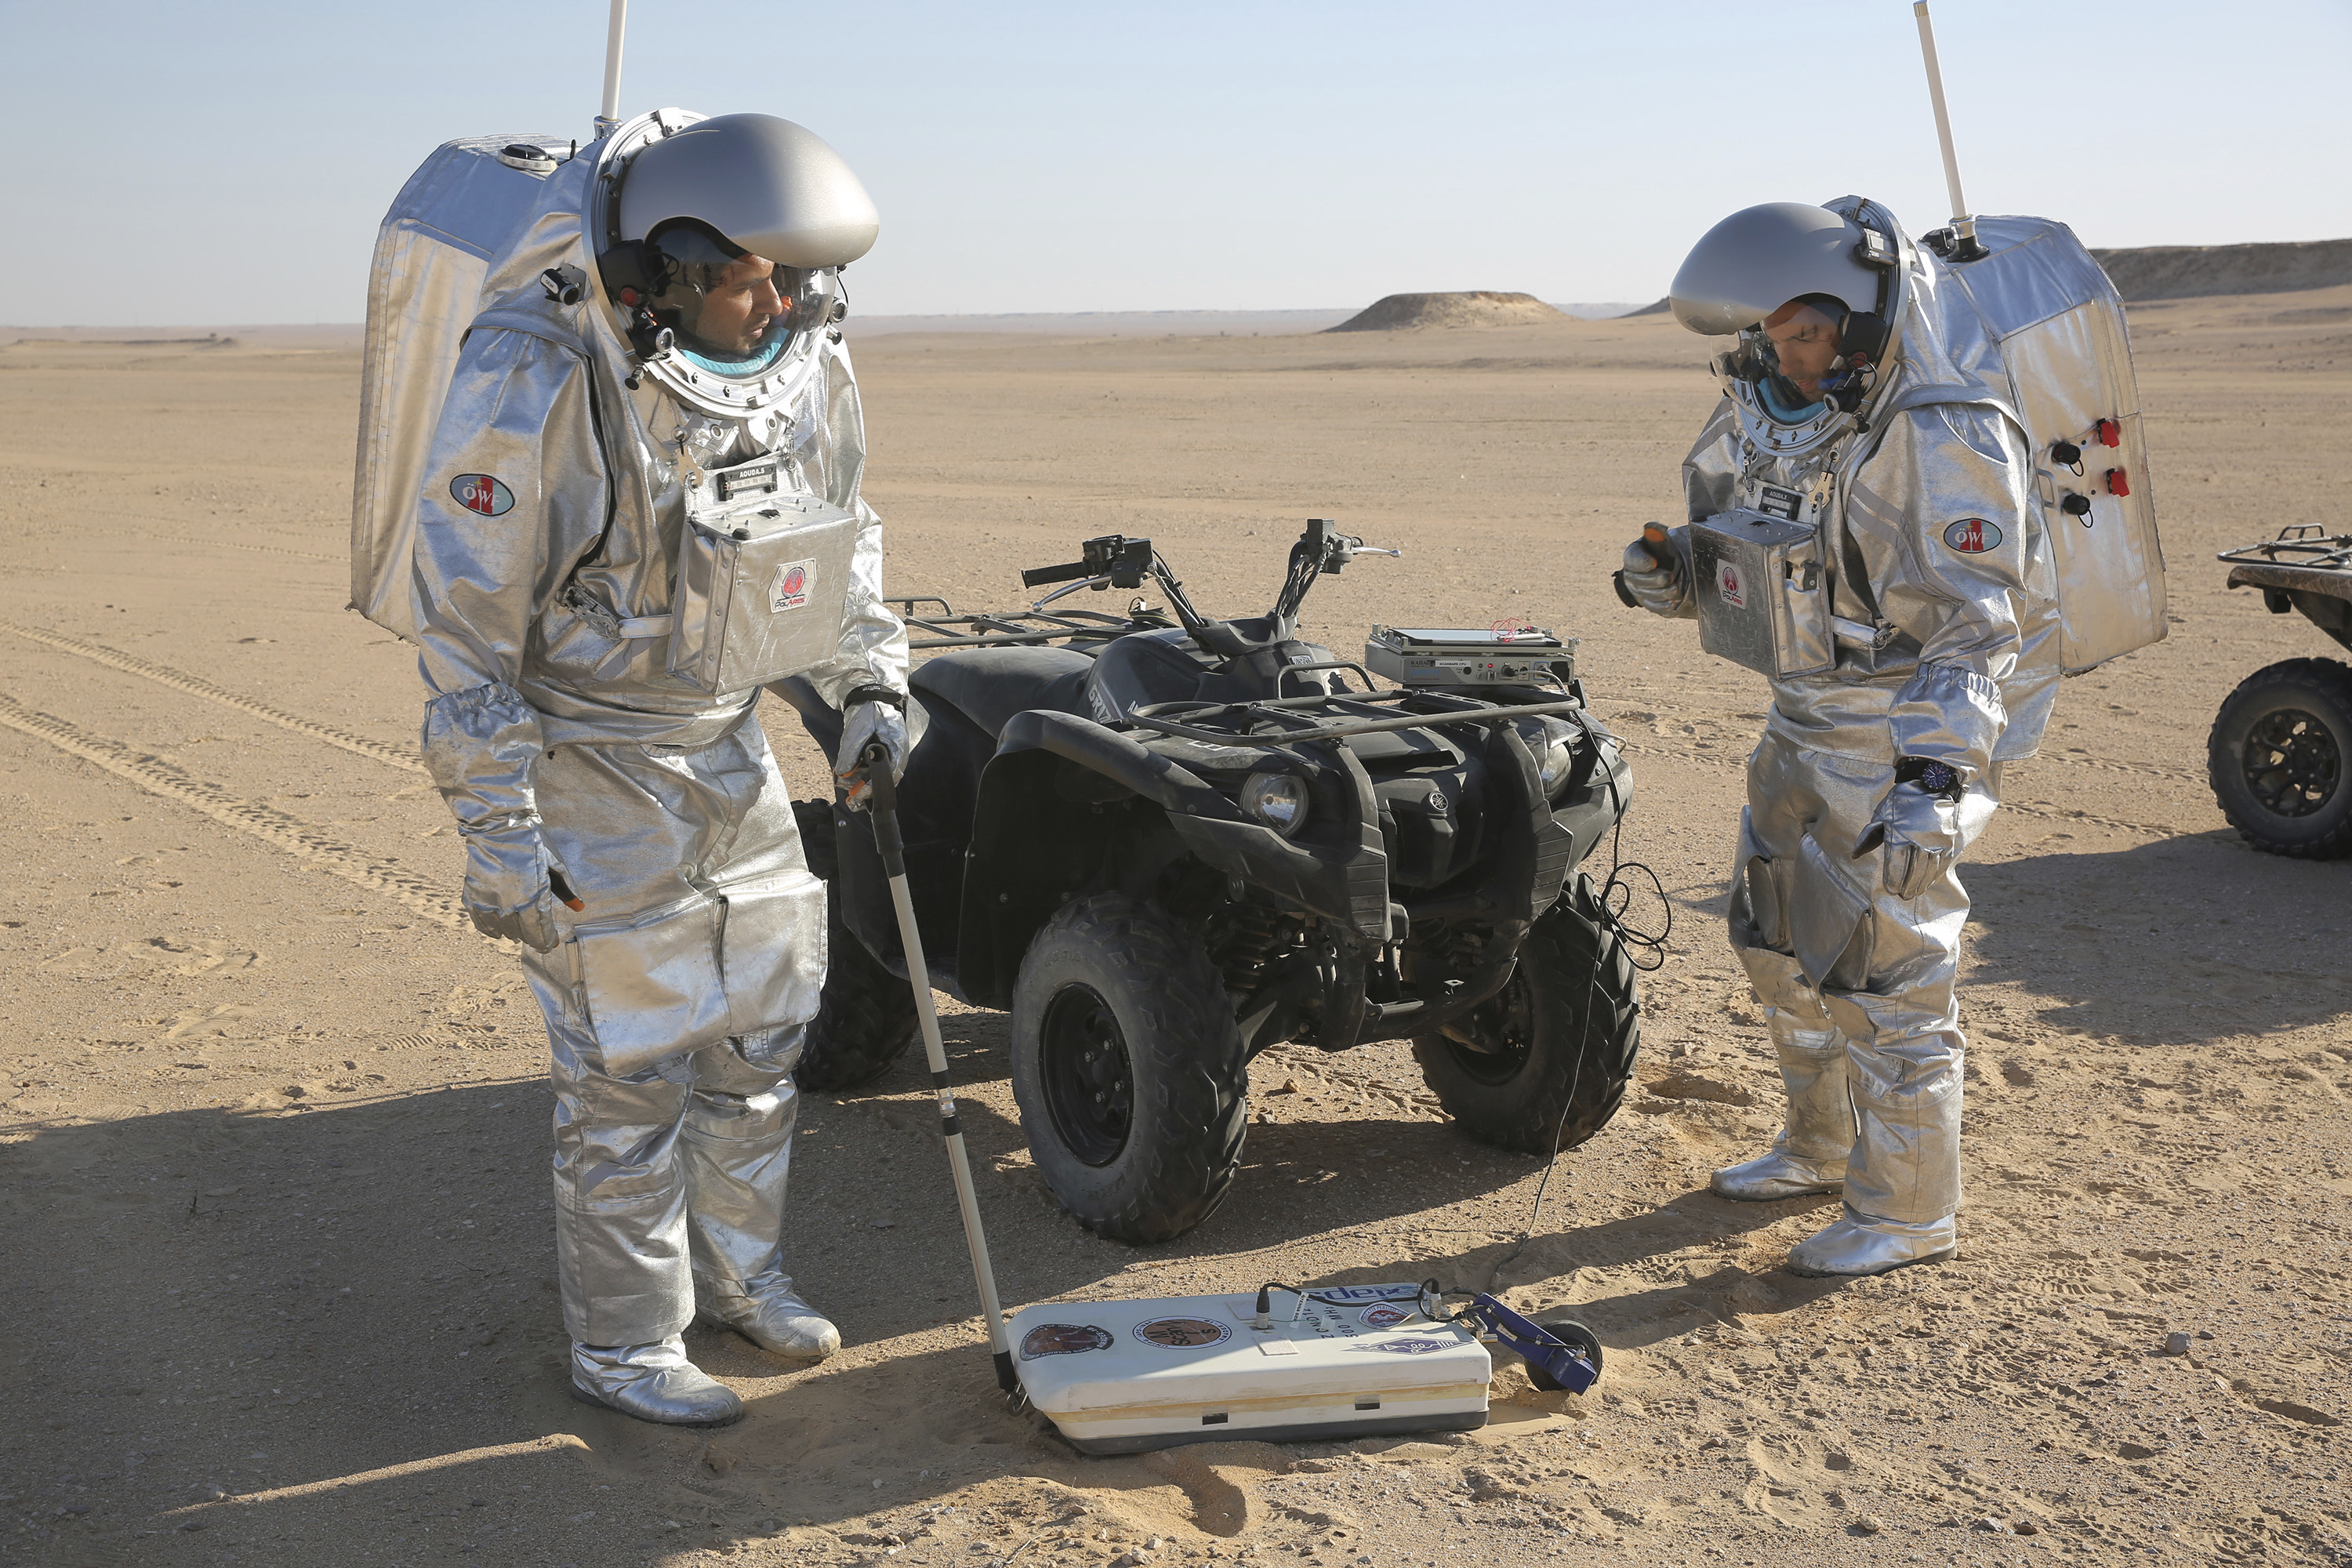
x,y
228,162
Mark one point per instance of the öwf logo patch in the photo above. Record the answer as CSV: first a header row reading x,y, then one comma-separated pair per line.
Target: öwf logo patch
x,y
1973,536
481,493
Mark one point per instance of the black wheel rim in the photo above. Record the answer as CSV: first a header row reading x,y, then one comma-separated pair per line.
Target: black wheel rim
x,y
1088,1081
2292,762
1502,1035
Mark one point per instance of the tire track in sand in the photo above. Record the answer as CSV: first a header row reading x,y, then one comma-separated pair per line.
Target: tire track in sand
x,y
239,544
290,833
196,686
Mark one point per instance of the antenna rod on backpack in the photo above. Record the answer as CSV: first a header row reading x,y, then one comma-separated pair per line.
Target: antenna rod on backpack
x,y
1964,223
610,120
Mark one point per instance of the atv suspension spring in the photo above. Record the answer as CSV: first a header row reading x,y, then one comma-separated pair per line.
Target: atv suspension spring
x,y
1245,937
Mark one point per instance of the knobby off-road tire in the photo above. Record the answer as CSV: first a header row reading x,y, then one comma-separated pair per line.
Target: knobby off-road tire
x,y
866,1017
1557,1042
2280,759
1129,1070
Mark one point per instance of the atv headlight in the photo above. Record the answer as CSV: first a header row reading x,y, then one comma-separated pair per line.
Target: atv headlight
x,y
1553,741
1279,800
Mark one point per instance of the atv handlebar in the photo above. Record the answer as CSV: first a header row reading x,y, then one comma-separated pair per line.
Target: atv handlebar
x,y
1038,576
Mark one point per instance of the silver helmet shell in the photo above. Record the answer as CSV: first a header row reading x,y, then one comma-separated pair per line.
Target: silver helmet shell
x,y
774,189
1759,258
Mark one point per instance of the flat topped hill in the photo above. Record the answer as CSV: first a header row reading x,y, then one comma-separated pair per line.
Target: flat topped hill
x,y
2186,272
1478,308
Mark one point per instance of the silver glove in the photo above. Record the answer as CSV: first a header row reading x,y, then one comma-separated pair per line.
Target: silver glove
x,y
507,891
866,723
1656,575
1918,835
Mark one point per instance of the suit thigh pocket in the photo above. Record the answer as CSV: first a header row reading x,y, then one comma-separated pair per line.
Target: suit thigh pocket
x,y
652,984
1828,920
773,949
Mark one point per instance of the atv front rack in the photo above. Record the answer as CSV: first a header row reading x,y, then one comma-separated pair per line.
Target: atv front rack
x,y
1296,718
1019,628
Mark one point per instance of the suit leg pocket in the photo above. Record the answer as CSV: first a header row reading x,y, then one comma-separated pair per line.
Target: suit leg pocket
x,y
772,950
1759,914
652,985
1828,922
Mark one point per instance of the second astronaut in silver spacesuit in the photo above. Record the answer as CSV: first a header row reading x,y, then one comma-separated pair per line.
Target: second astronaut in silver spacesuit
x,y
624,822
1854,403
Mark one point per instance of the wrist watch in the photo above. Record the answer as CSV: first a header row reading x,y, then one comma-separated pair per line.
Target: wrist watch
x,y
1932,776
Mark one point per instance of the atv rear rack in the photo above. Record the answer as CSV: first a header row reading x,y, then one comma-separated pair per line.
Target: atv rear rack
x,y
1294,724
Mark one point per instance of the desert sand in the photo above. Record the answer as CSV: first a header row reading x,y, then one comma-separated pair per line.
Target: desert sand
x,y
277,1283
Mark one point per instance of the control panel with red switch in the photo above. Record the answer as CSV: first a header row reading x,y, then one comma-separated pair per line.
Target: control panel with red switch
x,y
2118,482
2110,434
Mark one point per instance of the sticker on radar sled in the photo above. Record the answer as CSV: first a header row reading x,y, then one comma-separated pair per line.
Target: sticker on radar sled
x,y
1384,1315
1973,536
790,591
481,493
1183,1333
1063,1339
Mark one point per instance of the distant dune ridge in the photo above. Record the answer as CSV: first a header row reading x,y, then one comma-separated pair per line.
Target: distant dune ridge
x,y
2188,272
1477,308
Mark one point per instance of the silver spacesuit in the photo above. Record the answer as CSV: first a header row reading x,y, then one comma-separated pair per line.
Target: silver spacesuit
x,y
1897,480
653,388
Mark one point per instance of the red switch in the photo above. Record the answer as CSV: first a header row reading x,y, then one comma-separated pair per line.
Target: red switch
x,y
2110,432
2118,482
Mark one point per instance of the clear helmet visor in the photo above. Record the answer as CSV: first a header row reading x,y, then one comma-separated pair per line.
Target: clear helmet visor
x,y
734,313
1792,357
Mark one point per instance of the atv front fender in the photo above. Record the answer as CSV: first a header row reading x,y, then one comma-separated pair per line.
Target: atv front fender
x,y
1034,844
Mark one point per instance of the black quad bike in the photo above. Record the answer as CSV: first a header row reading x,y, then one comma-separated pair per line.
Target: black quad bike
x,y
2280,754
1165,843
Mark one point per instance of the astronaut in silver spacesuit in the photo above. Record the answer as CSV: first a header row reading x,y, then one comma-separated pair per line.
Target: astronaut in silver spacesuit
x,y
624,822
1858,405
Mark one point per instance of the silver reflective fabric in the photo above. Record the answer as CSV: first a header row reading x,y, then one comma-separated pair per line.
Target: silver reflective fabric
x,y
653,1382
1830,951
548,523
1760,258
663,1176
774,188
2058,324
1857,1244
1809,1155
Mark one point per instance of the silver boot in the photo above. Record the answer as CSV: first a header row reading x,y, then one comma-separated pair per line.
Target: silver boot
x,y
1861,1244
1809,1155
766,1311
652,1383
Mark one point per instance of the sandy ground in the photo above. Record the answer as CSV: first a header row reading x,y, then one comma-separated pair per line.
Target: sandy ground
x,y
277,1283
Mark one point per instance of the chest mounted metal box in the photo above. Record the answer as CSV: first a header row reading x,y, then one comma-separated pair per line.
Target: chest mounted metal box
x,y
1763,593
762,581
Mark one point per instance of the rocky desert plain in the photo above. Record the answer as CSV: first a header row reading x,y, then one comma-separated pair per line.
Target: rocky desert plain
x,y
275,1263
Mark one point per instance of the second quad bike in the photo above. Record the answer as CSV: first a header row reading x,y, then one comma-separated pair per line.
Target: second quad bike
x,y
2280,754
1165,842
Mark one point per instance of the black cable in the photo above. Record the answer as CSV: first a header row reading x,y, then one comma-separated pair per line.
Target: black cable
x,y
1610,916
